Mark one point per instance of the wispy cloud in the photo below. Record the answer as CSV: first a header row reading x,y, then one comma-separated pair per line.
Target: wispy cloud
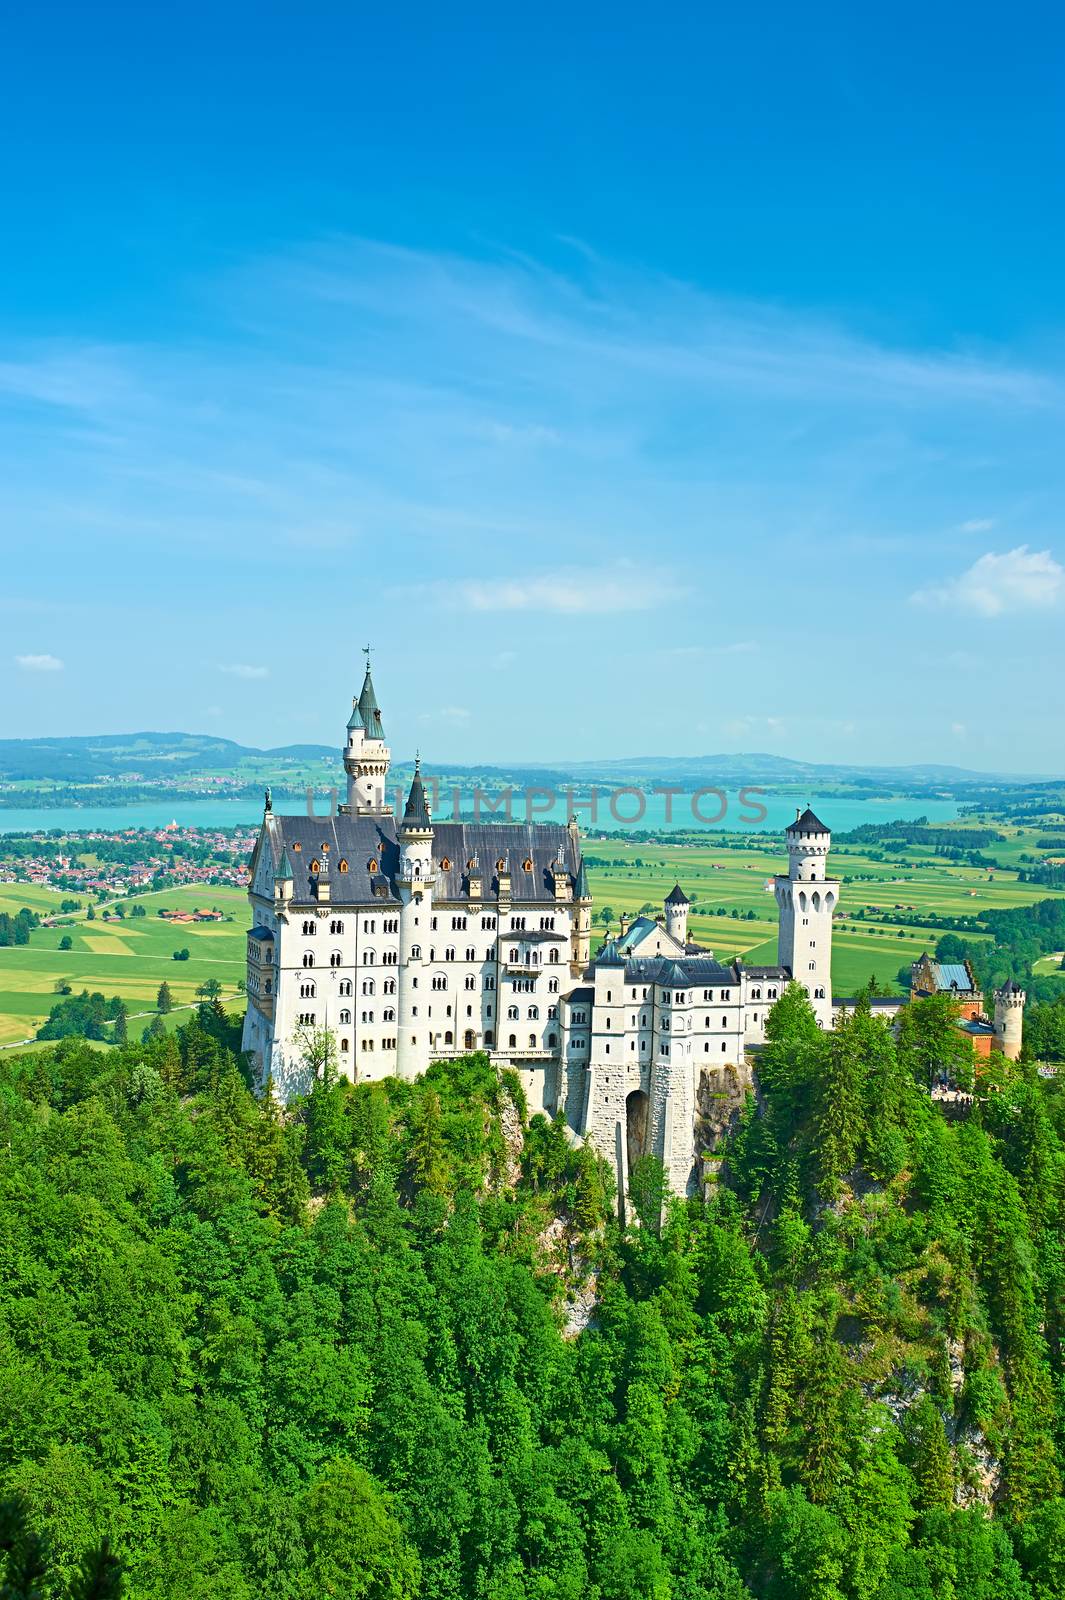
x,y
977,525
1000,584
43,663
570,592
241,669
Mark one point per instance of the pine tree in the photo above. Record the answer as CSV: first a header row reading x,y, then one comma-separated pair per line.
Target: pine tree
x,y
164,1001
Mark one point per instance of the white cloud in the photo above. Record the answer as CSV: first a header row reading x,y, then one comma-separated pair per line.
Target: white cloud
x,y
569,591
40,663
240,669
977,525
997,584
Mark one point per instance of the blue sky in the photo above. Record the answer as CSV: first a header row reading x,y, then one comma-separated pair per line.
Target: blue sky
x,y
635,382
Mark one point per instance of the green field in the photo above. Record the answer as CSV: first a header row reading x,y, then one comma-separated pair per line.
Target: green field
x,y
718,875
131,958
128,958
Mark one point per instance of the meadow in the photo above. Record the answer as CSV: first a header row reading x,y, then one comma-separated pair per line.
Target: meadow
x,y
130,958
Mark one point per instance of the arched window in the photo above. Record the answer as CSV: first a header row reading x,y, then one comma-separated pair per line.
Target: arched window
x,y
368,986
532,1041
308,958
309,930
307,991
554,954
269,986
439,980
344,1047
416,952
345,1018
552,1041
368,958
512,1013
534,1013
388,1015
345,986
389,986
512,1042
336,926
489,1038
513,957
335,958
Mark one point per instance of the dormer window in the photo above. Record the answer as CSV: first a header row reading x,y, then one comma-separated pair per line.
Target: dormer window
x,y
445,865
315,867
342,865
372,865
297,847
527,865
501,865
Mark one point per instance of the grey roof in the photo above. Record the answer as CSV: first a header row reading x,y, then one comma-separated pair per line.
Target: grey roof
x,y
355,720
259,932
767,972
416,811
533,936
951,975
283,870
490,842
580,888
582,996
358,840
610,955
1011,986
677,897
636,930
369,710
691,972
806,823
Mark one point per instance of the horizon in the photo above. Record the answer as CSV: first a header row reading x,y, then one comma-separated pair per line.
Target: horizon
x,y
713,384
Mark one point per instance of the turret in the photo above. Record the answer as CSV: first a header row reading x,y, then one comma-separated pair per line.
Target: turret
x,y
1009,1019
806,901
582,919
676,904
283,879
414,881
366,756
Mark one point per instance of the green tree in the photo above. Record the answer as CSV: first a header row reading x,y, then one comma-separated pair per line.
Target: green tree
x,y
164,1001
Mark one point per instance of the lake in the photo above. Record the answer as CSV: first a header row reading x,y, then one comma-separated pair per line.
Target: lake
x,y
615,811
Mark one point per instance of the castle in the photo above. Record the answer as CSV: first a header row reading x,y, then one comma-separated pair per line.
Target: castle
x,y
413,941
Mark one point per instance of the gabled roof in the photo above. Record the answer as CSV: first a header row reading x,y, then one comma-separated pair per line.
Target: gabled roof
x,y
951,975
807,822
692,971
638,929
677,897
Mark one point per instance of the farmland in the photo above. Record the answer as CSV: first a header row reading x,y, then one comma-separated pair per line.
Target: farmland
x,y
728,882
128,958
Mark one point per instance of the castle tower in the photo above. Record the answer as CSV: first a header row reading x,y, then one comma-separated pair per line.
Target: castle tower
x,y
1009,1019
582,921
414,881
676,904
366,756
806,900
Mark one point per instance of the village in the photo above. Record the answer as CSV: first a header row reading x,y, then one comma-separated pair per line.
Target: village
x,y
113,864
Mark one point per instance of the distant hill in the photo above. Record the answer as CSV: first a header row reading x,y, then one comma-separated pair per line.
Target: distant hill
x,y
150,756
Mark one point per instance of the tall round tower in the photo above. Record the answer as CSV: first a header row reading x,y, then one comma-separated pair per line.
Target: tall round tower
x,y
1009,1019
806,901
366,756
414,880
676,904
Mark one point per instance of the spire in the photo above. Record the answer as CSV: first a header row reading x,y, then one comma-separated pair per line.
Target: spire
x,y
677,897
581,890
416,811
368,708
355,720
284,867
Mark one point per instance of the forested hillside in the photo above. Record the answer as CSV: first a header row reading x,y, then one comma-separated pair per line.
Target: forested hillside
x,y
396,1345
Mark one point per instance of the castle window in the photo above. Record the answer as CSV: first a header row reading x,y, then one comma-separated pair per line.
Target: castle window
x,y
297,847
501,867
552,1041
490,981
416,952
471,954
342,866
345,1046
309,930
307,991
368,958
526,865
470,982
335,958
345,986
449,953
534,1013
373,865
389,986
489,1038
512,1042
512,1013
532,1041
439,981
445,865
724,1047
308,958
554,954
552,985
388,1015
345,1018
315,868
336,927
368,986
